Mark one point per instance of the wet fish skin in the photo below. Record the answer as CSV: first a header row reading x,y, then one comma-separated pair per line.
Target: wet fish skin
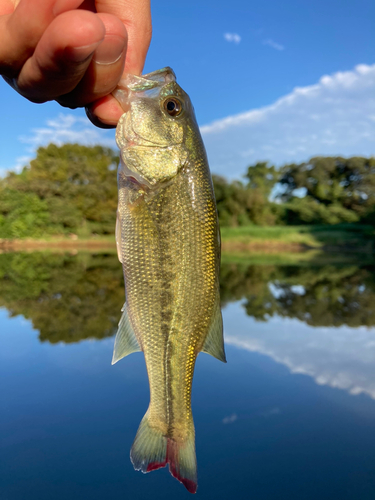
x,y
169,244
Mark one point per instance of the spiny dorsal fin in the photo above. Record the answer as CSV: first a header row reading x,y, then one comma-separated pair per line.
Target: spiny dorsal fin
x,y
126,341
214,343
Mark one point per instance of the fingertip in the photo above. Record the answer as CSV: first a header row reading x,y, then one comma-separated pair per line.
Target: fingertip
x,y
112,25
105,112
79,28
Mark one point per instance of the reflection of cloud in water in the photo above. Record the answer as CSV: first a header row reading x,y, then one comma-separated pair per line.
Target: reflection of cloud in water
x,y
271,412
230,419
342,357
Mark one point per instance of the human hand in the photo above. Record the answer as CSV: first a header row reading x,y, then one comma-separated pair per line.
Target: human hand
x,y
73,51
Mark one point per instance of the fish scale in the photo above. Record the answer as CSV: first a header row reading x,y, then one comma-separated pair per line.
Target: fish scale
x,y
168,243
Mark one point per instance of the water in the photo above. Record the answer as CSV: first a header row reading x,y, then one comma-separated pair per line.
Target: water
x,y
291,416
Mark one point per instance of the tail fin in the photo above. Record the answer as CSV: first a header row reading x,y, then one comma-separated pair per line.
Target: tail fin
x,y
152,450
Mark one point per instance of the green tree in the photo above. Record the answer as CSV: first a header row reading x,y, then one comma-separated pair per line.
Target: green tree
x,y
333,189
240,204
262,178
76,184
231,202
22,214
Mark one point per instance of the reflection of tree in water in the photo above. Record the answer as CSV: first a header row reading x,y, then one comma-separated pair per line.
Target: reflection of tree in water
x,y
320,296
250,282
69,298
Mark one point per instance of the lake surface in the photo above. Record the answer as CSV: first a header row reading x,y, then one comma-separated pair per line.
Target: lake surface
x,y
290,416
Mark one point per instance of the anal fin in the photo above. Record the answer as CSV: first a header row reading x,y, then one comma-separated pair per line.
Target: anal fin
x,y
214,343
126,342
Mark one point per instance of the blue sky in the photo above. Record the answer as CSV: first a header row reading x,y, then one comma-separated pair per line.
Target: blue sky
x,y
241,61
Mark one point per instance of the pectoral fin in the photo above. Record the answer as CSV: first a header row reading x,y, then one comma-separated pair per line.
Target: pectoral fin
x,y
214,343
126,341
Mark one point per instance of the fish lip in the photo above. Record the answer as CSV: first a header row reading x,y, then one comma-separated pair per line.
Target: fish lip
x,y
135,83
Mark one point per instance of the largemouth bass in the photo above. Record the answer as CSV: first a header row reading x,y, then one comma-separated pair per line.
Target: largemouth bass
x,y
168,241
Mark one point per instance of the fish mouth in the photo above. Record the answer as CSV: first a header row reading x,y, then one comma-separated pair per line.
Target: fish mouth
x,y
129,133
139,140
130,138
135,83
145,83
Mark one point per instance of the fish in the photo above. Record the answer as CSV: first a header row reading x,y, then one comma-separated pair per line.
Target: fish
x,y
168,241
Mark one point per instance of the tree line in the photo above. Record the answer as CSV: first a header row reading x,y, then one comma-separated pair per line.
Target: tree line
x,y
73,189
323,190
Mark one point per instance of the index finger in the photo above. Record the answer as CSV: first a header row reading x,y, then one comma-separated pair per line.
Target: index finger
x,y
22,29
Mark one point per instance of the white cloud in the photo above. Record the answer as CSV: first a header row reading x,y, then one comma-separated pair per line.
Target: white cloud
x,y
21,161
68,128
232,37
342,358
274,45
332,117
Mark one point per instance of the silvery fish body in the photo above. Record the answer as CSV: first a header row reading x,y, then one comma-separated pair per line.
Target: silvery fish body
x,y
169,244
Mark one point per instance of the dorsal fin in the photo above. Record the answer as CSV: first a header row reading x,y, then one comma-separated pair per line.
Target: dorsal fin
x,y
214,343
126,341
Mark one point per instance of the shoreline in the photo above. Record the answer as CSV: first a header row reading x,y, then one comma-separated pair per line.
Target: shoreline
x,y
29,244
229,245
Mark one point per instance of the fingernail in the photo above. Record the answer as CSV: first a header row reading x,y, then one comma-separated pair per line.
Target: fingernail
x,y
110,50
80,54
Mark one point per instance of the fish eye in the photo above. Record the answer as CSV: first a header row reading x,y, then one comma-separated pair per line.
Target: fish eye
x,y
173,106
